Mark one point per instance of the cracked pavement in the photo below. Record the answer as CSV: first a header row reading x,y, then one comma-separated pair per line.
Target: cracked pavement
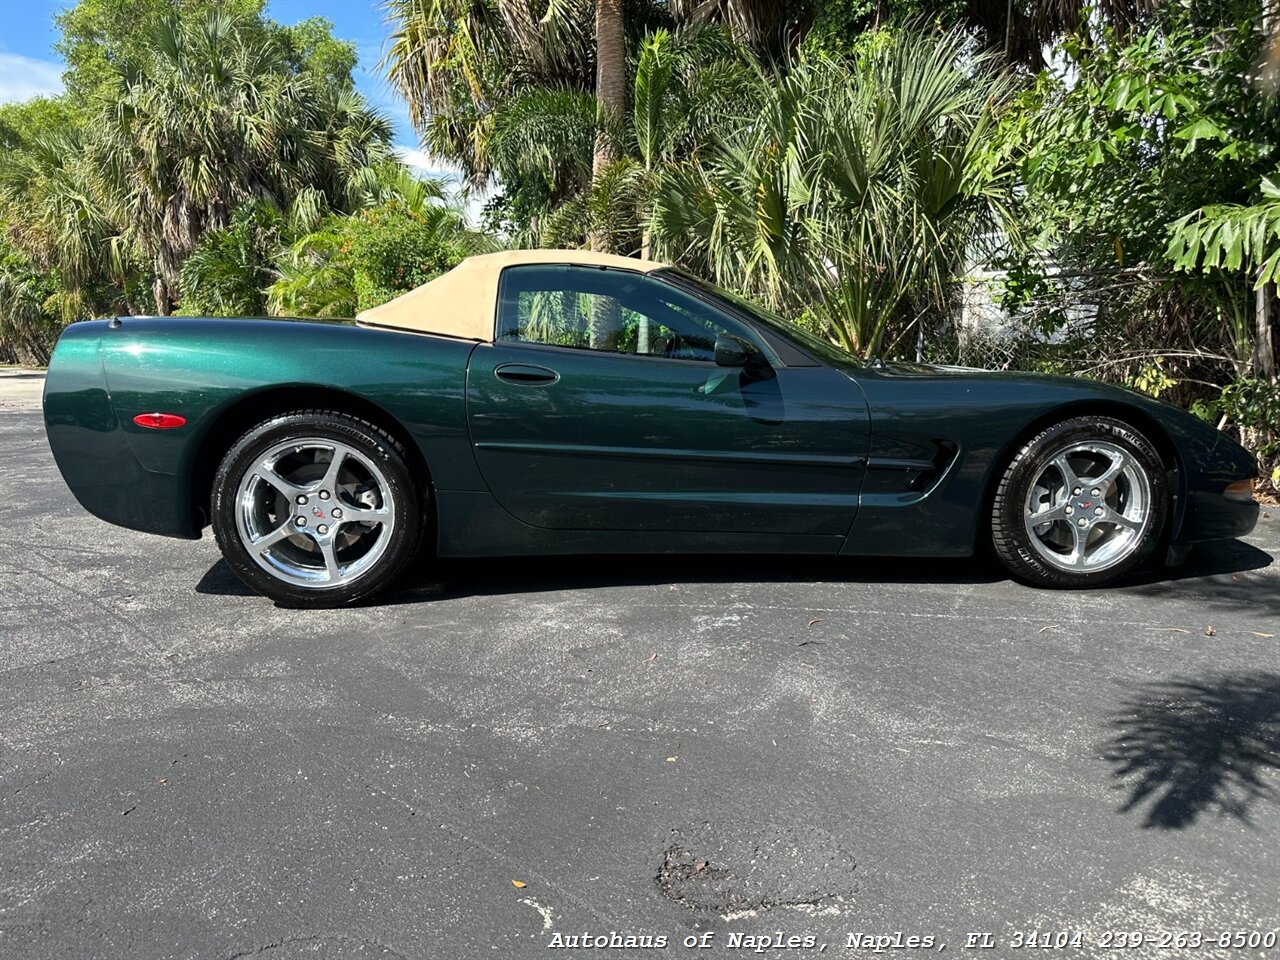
x,y
844,746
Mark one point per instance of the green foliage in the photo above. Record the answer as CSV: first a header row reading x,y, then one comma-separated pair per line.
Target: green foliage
x,y
56,214
353,263
312,49
1156,158
857,189
199,141
541,146
228,272
1027,290
655,74
100,37
1150,173
837,27
22,124
1252,403
842,27
506,90
96,36
688,86
393,250
198,117
1231,237
459,63
28,327
1153,379
212,120
315,275
1148,132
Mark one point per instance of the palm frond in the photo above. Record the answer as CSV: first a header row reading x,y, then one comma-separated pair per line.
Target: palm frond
x,y
853,193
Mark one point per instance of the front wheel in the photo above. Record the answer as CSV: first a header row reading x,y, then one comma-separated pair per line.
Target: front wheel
x,y
316,509
1081,504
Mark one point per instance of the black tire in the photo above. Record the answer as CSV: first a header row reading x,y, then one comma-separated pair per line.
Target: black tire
x,y
402,497
1033,557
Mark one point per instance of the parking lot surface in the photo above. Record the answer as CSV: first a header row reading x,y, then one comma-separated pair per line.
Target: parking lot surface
x,y
504,755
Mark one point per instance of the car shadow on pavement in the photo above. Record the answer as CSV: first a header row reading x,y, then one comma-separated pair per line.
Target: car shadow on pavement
x,y
433,579
440,579
1214,576
1182,748
220,581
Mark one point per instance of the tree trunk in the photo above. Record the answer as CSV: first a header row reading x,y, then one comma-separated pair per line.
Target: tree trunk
x,y
1264,355
1265,346
606,323
163,296
642,332
611,94
611,105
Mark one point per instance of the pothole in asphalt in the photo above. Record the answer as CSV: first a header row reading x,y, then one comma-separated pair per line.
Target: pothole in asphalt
x,y
734,868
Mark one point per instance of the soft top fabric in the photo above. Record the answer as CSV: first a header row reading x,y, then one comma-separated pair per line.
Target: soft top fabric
x,y
461,303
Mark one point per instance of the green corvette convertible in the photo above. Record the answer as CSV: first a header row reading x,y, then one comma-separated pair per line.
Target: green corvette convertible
x,y
540,402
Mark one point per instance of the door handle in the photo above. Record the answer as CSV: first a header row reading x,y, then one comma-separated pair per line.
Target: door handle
x,y
526,374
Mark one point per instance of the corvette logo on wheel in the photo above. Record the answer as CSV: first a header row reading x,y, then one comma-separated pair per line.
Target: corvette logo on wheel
x,y
318,512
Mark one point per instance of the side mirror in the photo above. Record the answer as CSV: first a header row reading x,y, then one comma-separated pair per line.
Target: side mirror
x,y
735,352
731,352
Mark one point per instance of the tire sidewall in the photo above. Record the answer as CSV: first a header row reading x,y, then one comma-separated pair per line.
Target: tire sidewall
x,y
369,440
1012,540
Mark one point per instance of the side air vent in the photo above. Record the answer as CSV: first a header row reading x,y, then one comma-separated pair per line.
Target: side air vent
x,y
925,479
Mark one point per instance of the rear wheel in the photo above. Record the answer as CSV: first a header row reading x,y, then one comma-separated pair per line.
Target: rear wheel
x,y
1081,504
316,509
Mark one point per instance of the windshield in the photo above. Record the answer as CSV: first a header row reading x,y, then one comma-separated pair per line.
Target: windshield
x,y
802,338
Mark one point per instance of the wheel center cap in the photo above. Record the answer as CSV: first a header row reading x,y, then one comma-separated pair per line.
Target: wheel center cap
x,y
1084,505
317,512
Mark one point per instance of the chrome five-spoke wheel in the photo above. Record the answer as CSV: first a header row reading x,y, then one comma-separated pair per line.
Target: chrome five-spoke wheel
x,y
314,511
317,508
1081,503
1089,506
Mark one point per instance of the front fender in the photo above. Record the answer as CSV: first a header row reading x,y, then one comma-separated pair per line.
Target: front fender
x,y
983,416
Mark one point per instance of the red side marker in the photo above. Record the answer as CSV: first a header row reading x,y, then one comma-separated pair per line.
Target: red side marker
x,y
160,421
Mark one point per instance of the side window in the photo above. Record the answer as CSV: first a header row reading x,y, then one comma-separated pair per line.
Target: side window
x,y
613,311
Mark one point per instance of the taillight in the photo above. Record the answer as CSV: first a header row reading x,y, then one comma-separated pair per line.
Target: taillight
x,y
160,421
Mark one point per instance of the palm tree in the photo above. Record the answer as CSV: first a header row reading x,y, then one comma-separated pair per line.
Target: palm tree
x,y
611,87
541,148
854,194
227,273
27,331
688,84
298,261
769,28
51,194
214,119
459,62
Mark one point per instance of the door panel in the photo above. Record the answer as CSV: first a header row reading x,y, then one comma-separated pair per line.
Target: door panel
x,y
589,440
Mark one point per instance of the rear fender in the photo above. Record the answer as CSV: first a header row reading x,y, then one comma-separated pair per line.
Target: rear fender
x,y
202,369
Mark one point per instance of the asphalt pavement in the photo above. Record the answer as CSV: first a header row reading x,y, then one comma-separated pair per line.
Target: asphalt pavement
x,y
505,755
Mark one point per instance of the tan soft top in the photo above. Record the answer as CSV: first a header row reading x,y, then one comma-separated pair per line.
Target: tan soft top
x,y
460,303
